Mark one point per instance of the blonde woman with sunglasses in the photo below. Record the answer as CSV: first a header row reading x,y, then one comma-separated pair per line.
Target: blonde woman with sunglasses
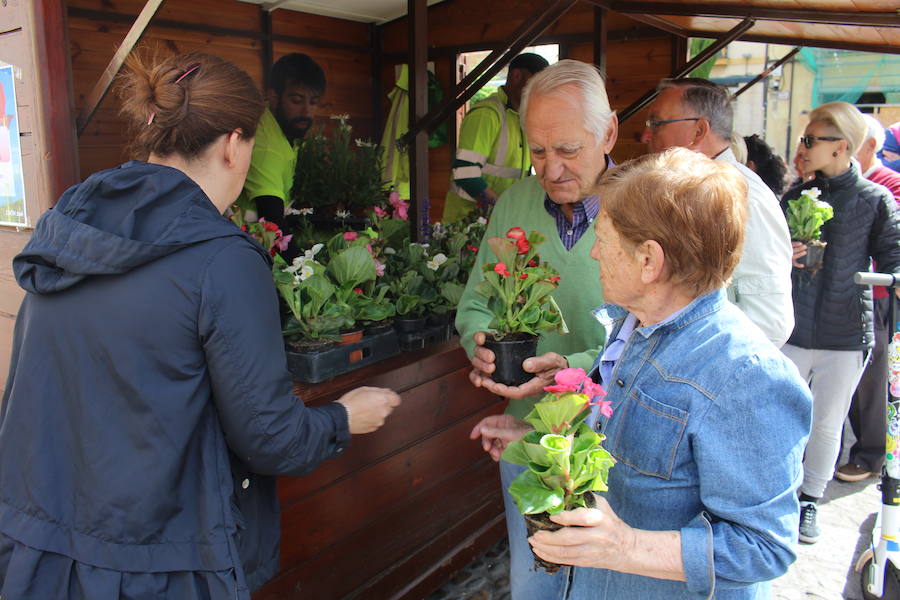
x,y
833,317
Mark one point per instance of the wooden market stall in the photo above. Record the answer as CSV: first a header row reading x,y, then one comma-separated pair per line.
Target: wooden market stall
x,y
404,508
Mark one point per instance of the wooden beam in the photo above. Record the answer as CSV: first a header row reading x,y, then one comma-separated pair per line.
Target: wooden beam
x,y
760,13
633,33
807,43
377,93
679,53
601,36
524,35
766,72
417,12
102,15
112,69
698,60
56,100
651,20
267,51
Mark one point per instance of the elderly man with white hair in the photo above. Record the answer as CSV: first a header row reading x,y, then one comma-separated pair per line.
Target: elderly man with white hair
x,y
868,404
571,130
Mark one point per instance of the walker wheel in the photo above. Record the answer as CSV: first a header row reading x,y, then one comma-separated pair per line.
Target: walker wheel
x,y
891,582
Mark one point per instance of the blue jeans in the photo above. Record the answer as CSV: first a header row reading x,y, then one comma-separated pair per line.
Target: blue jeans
x,y
526,582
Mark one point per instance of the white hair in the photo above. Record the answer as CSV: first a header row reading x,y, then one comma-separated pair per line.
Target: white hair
x,y
874,131
586,79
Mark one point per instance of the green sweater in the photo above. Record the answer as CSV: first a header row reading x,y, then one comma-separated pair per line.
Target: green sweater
x,y
579,291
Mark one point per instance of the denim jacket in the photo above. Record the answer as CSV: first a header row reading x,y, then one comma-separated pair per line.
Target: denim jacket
x,y
709,425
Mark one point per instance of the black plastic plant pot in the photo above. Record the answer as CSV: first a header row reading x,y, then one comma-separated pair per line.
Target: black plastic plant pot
x,y
409,325
379,327
438,318
509,353
815,256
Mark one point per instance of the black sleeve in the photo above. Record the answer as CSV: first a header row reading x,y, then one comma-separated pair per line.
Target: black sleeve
x,y
884,240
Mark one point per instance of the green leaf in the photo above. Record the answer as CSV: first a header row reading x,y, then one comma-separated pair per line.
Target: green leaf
x,y
533,497
352,267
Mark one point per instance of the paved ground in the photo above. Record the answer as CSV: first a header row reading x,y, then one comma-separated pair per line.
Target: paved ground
x,y
823,571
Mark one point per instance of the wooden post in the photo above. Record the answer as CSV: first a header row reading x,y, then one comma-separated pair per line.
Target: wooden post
x,y
268,58
600,39
418,107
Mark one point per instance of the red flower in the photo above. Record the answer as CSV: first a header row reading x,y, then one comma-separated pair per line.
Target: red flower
x,y
523,246
523,276
351,236
516,233
472,248
554,279
243,228
358,290
270,226
501,269
532,263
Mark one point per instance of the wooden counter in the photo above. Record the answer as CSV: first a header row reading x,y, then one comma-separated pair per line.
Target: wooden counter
x,y
404,507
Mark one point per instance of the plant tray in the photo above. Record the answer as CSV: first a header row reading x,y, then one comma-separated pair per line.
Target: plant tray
x,y
315,367
430,335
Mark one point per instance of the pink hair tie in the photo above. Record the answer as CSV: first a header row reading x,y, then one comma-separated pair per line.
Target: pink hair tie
x,y
152,116
190,70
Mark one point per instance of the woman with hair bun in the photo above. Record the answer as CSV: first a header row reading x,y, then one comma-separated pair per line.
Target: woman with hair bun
x,y
148,404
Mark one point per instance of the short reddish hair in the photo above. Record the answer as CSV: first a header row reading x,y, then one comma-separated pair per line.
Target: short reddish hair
x,y
694,207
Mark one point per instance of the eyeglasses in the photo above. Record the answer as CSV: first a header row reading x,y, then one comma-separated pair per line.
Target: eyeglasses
x,y
654,125
810,140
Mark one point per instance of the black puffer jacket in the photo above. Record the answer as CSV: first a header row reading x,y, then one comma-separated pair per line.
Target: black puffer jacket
x,y
830,311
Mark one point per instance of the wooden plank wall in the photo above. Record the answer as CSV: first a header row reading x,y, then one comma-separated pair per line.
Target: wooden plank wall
x,y
97,27
404,507
634,66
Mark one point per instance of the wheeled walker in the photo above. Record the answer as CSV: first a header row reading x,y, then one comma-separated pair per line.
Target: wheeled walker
x,y
879,566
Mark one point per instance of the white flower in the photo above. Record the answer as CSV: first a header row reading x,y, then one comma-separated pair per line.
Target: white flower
x,y
306,272
307,211
389,251
290,211
822,204
309,254
482,221
364,144
342,214
812,193
436,261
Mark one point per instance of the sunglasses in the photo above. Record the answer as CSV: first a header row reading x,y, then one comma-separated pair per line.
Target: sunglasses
x,y
810,140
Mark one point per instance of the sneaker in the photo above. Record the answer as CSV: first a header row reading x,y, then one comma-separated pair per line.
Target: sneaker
x,y
851,472
809,531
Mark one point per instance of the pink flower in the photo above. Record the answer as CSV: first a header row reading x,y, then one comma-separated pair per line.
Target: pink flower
x,y
592,390
399,205
358,290
554,279
501,269
379,267
350,236
369,248
567,380
282,242
380,211
516,233
605,408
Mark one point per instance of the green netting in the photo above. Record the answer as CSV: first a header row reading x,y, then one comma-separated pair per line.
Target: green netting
x,y
845,76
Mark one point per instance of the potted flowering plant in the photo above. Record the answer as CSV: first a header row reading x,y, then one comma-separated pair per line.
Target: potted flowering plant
x,y
338,172
518,289
566,462
805,216
310,296
352,266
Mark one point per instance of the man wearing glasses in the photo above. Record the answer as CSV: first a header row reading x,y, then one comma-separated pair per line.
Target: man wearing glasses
x,y
697,114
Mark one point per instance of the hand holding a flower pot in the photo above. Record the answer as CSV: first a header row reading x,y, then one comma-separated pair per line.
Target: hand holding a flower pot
x,y
543,367
599,539
805,216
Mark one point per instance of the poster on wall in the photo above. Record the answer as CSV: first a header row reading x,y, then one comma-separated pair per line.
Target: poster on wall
x,y
12,183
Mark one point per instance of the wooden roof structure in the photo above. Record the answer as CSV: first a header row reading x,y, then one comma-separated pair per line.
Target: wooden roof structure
x,y
866,25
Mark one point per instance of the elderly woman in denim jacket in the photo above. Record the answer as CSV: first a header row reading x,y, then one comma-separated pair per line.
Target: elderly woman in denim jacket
x,y
709,420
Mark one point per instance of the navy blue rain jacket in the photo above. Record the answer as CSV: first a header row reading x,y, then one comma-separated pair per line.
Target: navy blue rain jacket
x,y
148,403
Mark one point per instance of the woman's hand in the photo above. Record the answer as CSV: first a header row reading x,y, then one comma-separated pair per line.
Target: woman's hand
x,y
799,249
592,537
597,538
368,407
497,432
